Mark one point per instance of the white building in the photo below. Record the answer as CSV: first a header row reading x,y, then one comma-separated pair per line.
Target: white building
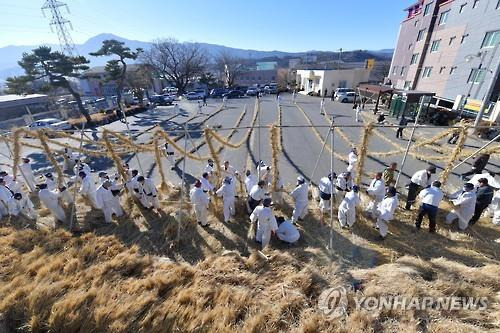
x,y
330,79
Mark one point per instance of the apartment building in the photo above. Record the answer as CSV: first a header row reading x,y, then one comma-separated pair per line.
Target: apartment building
x,y
449,48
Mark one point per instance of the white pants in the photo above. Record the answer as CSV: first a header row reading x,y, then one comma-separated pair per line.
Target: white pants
x,y
263,235
92,198
149,201
299,211
358,116
383,228
228,208
371,208
347,217
4,210
111,207
352,169
452,216
58,212
201,214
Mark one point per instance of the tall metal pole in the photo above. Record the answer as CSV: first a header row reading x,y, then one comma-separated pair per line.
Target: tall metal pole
x,y
331,190
258,139
491,87
181,202
421,106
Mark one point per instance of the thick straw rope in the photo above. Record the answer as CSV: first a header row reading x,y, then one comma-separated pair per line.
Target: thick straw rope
x,y
456,152
362,152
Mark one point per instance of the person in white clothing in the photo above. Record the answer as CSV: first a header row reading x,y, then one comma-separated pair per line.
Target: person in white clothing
x,y
286,232
347,208
342,185
487,175
353,160
107,203
149,194
27,173
80,166
20,204
200,111
50,199
322,106
206,185
228,170
301,197
420,180
376,192
385,211
133,185
5,196
199,200
250,181
87,188
10,182
102,177
169,154
64,193
430,198
209,168
325,188
294,96
465,203
257,194
50,181
357,107
266,222
226,192
495,206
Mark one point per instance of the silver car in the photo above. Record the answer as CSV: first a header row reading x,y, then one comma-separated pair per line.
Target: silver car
x,y
346,97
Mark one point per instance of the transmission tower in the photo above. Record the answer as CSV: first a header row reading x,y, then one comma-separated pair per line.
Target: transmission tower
x,y
60,23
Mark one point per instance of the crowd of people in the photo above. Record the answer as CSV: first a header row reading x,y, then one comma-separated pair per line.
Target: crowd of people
x,y
102,192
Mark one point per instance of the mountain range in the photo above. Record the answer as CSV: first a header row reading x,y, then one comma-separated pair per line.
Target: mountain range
x,y
10,55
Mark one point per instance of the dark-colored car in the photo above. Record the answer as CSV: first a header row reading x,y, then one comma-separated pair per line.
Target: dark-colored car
x,y
217,92
234,94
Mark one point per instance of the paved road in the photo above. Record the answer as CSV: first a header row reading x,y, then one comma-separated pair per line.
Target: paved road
x,y
301,146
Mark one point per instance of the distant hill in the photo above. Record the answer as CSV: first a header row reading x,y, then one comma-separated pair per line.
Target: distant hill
x,y
9,55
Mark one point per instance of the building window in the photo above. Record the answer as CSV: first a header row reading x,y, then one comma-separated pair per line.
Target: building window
x,y
407,85
410,46
427,72
452,39
443,17
453,70
441,70
464,38
435,45
462,7
420,35
427,8
402,70
414,59
474,5
416,21
476,75
491,39
394,70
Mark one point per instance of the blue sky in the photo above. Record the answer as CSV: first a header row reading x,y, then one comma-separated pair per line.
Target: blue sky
x,y
286,25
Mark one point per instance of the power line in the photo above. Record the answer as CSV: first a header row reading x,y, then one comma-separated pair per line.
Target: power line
x,y
67,45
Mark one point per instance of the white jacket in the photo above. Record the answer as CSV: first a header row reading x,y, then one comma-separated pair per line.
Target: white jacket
x,y
257,193
5,194
343,183
377,189
206,185
431,196
250,182
226,191
421,178
88,186
387,207
353,158
465,204
198,197
300,193
350,201
19,206
287,232
149,187
325,185
265,217
231,171
104,197
50,199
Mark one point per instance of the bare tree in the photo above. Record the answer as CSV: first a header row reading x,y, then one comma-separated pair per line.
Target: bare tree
x,y
179,63
230,67
139,81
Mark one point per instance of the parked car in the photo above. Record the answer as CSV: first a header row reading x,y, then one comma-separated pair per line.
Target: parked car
x,y
50,123
194,95
233,94
271,89
162,99
252,91
217,92
312,93
342,90
346,97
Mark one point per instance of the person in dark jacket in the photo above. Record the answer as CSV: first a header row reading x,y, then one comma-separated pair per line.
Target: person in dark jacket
x,y
484,196
402,123
478,165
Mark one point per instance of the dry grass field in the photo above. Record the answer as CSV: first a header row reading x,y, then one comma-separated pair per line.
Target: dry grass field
x,y
132,275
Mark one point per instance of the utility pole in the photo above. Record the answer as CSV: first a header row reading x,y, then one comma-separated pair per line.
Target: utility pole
x,y
65,41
